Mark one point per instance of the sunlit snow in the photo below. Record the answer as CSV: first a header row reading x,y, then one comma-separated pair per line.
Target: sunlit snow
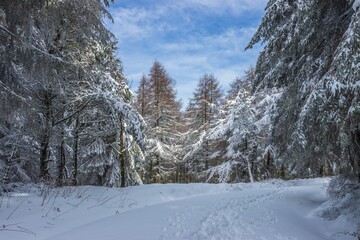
x,y
271,210
356,4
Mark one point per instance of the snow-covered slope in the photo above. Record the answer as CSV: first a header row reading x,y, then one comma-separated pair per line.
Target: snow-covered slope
x,y
266,210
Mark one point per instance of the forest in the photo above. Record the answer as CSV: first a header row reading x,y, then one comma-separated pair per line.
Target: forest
x,y
68,116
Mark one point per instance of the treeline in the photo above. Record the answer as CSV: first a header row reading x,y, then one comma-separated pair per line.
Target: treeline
x,y
219,138
65,114
297,114
68,117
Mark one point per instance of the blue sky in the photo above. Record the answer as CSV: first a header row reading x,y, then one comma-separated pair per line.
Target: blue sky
x,y
189,37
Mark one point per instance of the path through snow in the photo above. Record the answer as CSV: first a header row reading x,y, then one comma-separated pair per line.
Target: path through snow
x,y
273,210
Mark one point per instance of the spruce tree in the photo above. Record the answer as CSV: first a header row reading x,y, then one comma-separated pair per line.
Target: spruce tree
x,y
311,47
59,64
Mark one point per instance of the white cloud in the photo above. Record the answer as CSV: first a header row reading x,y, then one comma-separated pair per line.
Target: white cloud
x,y
236,7
129,23
138,23
228,44
187,60
145,21
184,46
168,32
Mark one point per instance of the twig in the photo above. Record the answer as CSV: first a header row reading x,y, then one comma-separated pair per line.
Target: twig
x,y
74,206
11,224
47,198
101,195
8,32
52,205
102,203
27,230
46,194
346,185
20,229
1,201
32,46
17,208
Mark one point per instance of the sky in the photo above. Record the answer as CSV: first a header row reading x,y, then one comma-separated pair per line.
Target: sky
x,y
188,37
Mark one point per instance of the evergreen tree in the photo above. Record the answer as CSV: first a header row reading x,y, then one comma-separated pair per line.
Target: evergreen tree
x,y
243,149
244,83
59,64
238,130
310,51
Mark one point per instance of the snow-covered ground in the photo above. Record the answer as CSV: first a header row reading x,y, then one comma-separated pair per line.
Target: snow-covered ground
x,y
271,210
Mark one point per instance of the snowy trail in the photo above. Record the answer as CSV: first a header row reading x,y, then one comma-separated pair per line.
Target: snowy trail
x,y
224,217
262,211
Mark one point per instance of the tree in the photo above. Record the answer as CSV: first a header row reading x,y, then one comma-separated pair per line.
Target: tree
x,y
156,100
238,130
60,66
241,83
243,150
143,96
106,2
201,114
307,55
205,101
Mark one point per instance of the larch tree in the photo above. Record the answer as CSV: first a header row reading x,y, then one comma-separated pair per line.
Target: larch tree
x,y
143,96
156,100
201,113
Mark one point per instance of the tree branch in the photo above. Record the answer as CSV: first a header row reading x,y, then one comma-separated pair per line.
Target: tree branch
x,y
74,113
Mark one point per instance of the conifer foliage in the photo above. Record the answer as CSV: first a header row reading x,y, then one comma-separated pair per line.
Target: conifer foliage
x,y
66,101
312,51
156,101
201,114
68,116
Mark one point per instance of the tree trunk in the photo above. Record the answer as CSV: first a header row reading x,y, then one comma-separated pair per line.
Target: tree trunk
x,y
61,164
268,165
44,171
250,172
282,173
207,150
76,152
9,167
356,146
44,145
150,176
121,154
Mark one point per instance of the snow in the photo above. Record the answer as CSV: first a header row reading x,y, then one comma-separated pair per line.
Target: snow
x,y
356,4
272,209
